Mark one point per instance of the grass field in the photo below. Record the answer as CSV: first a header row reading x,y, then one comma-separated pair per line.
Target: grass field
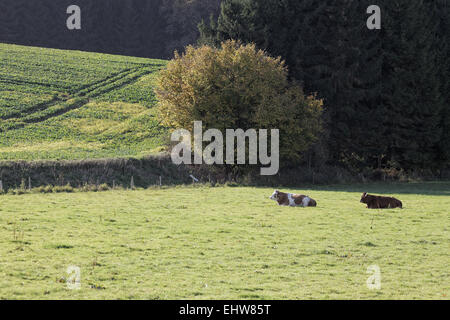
x,y
60,104
227,243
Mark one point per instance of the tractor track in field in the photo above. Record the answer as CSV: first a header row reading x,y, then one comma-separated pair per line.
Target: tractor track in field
x,y
81,97
44,105
34,108
40,84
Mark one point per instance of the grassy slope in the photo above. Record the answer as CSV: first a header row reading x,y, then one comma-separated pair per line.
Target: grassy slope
x,y
57,104
225,243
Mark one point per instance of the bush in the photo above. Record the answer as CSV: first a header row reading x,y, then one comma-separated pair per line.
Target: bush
x,y
66,188
238,86
103,187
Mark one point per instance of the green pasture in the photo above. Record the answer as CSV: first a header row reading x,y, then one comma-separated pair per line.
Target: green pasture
x,y
226,243
61,104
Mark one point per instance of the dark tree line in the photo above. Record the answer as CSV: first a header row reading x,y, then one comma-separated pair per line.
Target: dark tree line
x,y
386,91
147,28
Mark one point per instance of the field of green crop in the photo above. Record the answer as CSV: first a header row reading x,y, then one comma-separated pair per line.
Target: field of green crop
x,y
226,243
60,104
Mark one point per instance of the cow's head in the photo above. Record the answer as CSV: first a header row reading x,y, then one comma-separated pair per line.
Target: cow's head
x,y
363,197
274,195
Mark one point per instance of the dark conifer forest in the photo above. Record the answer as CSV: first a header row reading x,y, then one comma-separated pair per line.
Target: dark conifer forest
x,y
385,91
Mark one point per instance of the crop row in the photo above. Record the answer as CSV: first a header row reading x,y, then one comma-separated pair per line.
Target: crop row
x,y
60,107
70,105
33,87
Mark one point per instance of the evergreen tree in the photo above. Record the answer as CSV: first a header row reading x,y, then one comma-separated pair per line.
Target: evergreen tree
x,y
327,48
441,10
411,94
383,95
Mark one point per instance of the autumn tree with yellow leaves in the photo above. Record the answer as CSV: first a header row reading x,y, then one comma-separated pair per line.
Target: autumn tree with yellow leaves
x,y
237,86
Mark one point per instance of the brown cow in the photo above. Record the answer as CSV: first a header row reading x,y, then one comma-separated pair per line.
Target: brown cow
x,y
379,202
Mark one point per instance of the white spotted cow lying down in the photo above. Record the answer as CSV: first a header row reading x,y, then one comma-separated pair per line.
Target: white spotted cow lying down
x,y
292,200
